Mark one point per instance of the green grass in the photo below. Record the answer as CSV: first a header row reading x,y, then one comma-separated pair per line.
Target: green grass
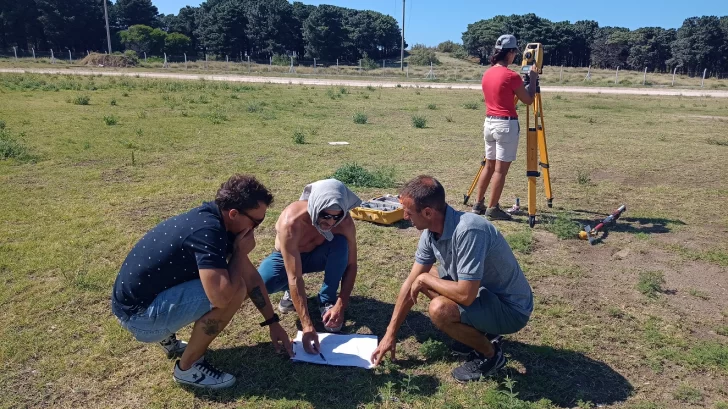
x,y
70,215
650,283
299,137
356,175
360,118
419,121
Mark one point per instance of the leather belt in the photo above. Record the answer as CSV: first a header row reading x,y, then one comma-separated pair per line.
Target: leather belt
x,y
506,118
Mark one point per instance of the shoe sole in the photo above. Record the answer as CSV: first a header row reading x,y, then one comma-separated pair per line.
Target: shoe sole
x,y
482,376
197,385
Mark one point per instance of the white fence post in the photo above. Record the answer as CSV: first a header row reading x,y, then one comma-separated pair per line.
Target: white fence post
x,y
34,53
270,63
644,79
314,65
673,76
337,65
703,80
15,50
561,74
70,58
205,60
87,53
248,64
185,60
145,57
616,75
359,67
588,74
53,58
165,61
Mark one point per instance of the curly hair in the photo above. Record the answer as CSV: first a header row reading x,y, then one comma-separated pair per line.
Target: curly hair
x,y
425,191
242,192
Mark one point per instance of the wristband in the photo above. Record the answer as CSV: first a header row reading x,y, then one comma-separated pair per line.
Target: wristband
x,y
270,320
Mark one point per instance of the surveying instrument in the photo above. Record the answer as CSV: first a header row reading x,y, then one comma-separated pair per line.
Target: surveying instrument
x,y
535,136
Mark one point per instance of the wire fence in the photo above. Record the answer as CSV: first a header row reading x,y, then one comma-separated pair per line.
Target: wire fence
x,y
460,71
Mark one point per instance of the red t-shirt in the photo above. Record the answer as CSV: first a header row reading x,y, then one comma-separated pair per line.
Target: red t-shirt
x,y
499,88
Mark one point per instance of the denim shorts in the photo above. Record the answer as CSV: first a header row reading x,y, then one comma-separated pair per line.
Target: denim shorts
x,y
172,310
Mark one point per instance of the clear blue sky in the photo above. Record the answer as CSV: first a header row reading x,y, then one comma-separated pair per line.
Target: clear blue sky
x,y
433,21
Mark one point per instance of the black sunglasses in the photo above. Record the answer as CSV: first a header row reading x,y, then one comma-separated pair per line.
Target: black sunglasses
x,y
256,222
327,216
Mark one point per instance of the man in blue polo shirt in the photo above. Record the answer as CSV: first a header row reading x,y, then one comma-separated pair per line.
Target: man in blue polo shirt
x,y
179,273
478,289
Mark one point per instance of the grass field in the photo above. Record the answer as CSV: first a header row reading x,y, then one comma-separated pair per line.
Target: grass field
x,y
639,320
451,70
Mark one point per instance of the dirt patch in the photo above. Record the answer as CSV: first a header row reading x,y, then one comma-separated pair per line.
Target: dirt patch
x,y
105,60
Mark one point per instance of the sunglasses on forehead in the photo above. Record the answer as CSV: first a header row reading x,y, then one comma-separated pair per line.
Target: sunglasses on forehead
x,y
327,216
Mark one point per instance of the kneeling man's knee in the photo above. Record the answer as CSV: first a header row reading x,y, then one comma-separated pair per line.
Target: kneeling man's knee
x,y
443,310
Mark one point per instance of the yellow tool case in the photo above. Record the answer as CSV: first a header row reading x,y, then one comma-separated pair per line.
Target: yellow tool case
x,y
381,210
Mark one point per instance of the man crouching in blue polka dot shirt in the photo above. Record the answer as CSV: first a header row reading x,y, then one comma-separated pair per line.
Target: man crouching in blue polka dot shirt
x,y
179,273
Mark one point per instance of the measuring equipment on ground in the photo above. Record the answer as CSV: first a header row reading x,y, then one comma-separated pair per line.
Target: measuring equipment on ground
x,y
590,233
385,209
535,136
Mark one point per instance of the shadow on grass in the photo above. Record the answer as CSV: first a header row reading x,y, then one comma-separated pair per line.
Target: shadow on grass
x,y
564,377
633,225
263,375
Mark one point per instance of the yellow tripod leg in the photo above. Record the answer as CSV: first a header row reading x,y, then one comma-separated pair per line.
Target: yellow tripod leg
x,y
475,182
532,164
543,153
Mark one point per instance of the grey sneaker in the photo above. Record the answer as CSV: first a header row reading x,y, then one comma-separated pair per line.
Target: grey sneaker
x,y
286,304
324,308
479,208
496,213
172,346
203,375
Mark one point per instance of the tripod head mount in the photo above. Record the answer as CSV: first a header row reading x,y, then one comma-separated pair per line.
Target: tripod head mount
x,y
532,56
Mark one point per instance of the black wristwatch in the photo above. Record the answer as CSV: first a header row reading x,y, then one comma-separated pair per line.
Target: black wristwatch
x,y
270,320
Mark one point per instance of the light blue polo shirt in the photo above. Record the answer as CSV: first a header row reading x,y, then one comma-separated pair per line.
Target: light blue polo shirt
x,y
471,248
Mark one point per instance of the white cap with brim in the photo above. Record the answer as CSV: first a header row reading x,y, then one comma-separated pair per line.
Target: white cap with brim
x,y
507,41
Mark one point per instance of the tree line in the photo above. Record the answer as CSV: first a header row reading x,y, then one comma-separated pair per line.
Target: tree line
x,y
257,28
277,28
700,43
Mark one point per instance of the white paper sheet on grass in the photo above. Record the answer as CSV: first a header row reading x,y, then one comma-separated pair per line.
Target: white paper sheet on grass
x,y
339,350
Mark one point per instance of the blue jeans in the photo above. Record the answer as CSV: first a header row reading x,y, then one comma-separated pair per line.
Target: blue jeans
x,y
331,257
172,310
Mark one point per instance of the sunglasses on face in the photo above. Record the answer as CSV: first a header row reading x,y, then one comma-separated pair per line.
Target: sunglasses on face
x,y
256,222
327,216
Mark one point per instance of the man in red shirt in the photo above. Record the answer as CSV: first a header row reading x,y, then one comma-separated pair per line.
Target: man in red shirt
x,y
501,128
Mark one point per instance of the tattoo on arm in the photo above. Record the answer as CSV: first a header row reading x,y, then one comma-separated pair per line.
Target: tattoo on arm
x,y
257,297
211,327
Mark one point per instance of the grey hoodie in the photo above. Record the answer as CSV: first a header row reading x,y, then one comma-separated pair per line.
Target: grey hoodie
x,y
325,194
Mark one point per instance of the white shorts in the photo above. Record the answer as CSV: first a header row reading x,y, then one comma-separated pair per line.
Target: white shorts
x,y
501,139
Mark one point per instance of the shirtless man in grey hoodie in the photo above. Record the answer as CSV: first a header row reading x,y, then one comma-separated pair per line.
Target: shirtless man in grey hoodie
x,y
315,233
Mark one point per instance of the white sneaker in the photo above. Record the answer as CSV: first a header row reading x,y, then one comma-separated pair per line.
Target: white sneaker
x,y
173,347
203,375
286,304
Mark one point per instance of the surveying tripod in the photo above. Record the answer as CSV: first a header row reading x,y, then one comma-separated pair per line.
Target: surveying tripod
x,y
535,136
